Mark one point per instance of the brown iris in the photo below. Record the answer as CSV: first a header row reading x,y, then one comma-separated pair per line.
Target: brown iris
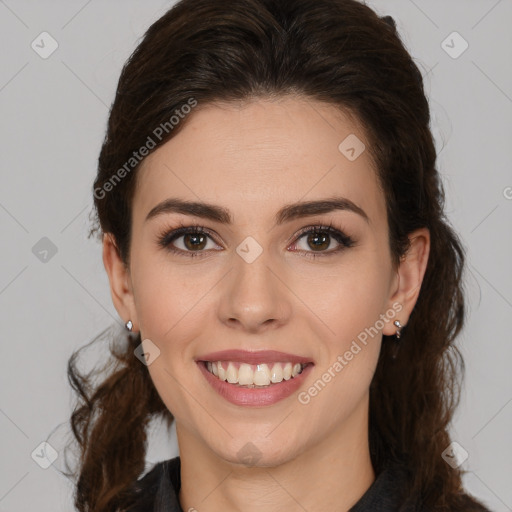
x,y
194,241
319,240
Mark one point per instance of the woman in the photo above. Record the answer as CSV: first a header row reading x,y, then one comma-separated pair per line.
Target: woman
x,y
274,237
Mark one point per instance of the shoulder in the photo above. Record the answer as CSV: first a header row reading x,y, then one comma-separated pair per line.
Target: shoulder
x,y
160,484
388,494
470,504
462,502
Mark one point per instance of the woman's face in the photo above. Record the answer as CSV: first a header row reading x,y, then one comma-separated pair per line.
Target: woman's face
x,y
252,282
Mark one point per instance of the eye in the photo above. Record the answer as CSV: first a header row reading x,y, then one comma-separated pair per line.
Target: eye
x,y
192,240
320,239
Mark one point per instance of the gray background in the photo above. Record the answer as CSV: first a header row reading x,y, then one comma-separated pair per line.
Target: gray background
x,y
54,114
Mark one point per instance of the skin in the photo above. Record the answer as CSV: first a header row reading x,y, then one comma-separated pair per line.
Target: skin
x,y
253,159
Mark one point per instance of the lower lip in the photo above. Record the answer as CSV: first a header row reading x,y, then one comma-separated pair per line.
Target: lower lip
x,y
257,397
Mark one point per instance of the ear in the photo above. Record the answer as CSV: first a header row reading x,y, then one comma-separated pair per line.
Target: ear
x,y
120,281
409,278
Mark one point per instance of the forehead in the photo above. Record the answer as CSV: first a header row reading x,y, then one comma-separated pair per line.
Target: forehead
x,y
255,156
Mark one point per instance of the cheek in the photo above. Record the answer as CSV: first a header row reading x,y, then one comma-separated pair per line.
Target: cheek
x,y
169,301
350,307
347,305
347,298
167,296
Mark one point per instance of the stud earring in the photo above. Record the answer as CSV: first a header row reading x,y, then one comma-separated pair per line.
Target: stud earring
x,y
399,329
129,325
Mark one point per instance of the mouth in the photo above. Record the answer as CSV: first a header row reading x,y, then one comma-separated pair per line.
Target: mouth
x,y
254,378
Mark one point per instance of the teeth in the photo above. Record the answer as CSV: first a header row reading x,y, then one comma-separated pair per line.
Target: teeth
x,y
277,373
221,371
245,374
261,375
232,374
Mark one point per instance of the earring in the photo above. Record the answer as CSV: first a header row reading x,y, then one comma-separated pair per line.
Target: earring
x,y
129,325
399,329
396,345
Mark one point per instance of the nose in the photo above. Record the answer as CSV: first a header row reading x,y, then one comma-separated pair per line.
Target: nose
x,y
254,297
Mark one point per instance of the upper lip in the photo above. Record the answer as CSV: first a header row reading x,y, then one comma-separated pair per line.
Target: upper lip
x,y
253,357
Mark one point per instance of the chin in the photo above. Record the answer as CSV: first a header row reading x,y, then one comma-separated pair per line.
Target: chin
x,y
261,452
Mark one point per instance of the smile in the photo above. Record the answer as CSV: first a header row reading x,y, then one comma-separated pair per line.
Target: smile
x,y
252,378
250,375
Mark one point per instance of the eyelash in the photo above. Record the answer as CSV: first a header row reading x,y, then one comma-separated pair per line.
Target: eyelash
x,y
167,237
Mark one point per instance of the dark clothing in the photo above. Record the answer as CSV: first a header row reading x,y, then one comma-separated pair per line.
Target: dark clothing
x,y
159,490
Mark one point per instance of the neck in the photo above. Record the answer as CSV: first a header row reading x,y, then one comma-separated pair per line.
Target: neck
x,y
330,476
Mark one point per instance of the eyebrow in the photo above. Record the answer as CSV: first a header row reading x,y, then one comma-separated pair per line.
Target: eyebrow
x,y
287,213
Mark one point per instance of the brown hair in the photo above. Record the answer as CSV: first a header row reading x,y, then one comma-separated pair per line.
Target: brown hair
x,y
342,53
